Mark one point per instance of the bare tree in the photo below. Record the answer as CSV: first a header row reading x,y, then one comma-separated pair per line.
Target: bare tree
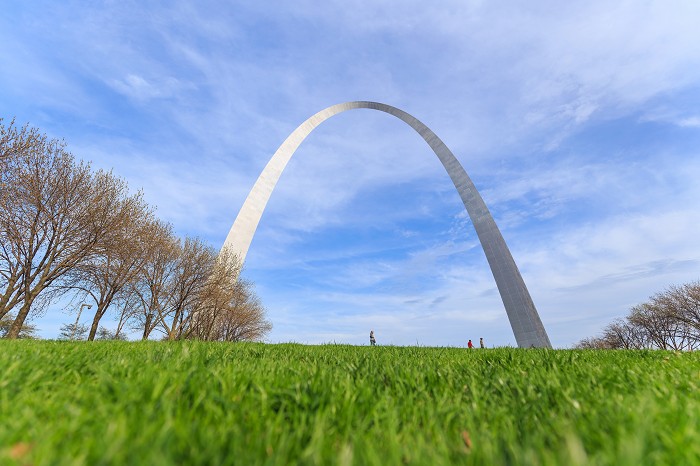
x,y
229,309
681,302
192,268
124,316
66,228
54,215
594,343
122,254
669,320
28,331
662,329
13,143
215,298
244,319
182,290
31,236
621,334
16,141
148,296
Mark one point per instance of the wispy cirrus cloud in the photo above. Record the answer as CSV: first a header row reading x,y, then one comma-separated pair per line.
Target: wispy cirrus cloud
x,y
577,122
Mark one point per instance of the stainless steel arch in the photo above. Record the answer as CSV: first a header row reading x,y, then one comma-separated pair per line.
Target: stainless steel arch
x,y
524,319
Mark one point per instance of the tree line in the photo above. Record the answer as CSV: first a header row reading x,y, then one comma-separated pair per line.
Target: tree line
x,y
670,320
70,232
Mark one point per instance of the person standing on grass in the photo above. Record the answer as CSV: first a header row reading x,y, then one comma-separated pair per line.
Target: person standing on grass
x,y
481,342
469,345
372,341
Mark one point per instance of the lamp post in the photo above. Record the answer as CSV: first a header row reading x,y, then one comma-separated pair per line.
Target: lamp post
x,y
80,311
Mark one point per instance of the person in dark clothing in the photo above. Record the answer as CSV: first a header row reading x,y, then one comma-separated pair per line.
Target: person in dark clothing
x,y
481,342
372,341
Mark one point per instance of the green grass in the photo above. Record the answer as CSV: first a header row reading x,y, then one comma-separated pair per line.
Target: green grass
x,y
216,403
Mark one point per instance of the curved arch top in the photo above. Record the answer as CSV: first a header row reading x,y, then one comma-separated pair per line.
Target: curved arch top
x,y
522,314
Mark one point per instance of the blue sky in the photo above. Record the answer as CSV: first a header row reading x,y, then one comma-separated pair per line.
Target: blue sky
x,y
579,122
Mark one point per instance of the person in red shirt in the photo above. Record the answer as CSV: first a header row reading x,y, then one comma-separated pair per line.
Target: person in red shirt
x,y
470,344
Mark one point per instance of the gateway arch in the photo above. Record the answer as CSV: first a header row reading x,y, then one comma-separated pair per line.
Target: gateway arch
x,y
522,314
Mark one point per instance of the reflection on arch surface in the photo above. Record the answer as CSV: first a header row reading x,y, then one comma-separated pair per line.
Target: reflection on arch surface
x,y
522,314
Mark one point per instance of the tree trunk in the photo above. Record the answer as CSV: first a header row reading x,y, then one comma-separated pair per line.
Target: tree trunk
x,y
93,328
7,302
99,313
146,328
16,326
120,325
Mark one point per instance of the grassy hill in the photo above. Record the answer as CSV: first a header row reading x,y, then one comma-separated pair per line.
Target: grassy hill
x,y
219,403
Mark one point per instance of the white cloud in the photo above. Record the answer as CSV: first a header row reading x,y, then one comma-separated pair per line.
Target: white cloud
x,y
190,99
138,88
691,122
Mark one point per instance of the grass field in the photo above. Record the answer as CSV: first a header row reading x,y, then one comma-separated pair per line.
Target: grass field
x,y
216,403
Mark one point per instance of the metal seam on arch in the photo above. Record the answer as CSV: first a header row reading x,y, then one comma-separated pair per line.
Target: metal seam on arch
x,y
522,314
